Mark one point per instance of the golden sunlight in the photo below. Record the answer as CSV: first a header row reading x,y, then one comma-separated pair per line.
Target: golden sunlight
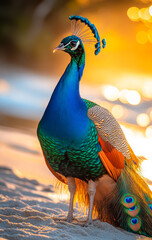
x,y
56,197
146,167
141,145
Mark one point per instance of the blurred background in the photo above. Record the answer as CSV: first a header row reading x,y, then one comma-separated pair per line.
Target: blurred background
x,y
119,78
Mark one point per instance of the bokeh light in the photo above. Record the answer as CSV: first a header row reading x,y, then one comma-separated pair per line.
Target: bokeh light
x,y
136,14
117,111
144,14
150,10
133,13
123,95
133,97
143,120
110,93
148,131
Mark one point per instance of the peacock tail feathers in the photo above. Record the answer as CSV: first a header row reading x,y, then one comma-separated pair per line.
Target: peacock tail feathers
x,y
130,206
87,32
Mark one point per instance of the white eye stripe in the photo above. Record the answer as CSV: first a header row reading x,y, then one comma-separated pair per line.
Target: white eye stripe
x,y
74,48
67,44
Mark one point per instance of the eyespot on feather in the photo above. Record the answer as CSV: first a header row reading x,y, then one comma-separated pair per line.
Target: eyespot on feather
x,y
133,211
134,223
128,201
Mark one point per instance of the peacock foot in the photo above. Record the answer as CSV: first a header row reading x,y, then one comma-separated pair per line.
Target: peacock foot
x,y
88,222
69,218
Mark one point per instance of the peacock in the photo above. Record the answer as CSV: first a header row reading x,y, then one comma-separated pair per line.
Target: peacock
x,y
85,147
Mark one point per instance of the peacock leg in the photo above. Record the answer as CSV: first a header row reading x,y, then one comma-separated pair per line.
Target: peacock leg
x,y
72,189
91,191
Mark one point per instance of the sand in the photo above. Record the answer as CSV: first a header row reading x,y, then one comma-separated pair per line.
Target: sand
x,y
29,207
27,212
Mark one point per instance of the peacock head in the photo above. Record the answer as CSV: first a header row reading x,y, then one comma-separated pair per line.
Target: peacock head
x,y
72,45
82,32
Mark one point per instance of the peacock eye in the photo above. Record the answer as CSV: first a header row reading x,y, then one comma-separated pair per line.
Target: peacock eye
x,y
73,44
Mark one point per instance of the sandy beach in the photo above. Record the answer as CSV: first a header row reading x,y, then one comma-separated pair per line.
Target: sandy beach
x,y
29,206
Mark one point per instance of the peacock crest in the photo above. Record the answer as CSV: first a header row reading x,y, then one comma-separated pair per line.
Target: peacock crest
x,y
87,32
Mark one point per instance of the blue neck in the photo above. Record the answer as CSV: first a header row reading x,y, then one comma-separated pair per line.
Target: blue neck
x,y
65,117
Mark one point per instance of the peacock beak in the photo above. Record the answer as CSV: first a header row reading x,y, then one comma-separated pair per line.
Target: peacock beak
x,y
60,47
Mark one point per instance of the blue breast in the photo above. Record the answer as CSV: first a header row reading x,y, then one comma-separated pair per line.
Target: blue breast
x,y
66,117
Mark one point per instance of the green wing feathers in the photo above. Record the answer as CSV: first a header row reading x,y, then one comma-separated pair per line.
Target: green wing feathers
x,y
89,104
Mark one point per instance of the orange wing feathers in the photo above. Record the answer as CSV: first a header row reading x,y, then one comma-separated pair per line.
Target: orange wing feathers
x,y
112,159
115,157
